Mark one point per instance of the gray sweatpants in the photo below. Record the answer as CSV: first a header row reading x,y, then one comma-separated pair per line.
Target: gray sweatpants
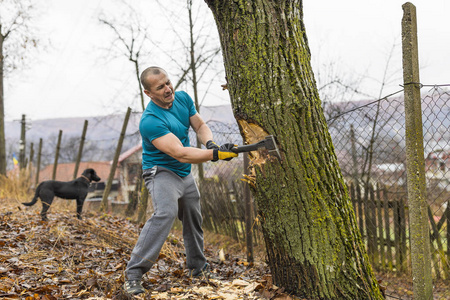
x,y
172,196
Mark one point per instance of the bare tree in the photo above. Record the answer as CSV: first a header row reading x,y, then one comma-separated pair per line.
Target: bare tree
x,y
16,38
336,85
195,54
377,122
70,146
131,39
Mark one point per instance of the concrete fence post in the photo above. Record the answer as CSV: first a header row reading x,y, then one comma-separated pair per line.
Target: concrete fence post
x,y
415,164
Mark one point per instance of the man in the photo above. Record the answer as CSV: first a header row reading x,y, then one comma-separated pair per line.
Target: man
x,y
166,161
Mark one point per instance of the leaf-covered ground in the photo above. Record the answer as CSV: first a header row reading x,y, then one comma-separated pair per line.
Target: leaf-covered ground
x,y
65,258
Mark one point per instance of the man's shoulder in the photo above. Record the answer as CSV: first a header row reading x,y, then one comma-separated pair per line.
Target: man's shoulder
x,y
148,112
152,125
182,95
150,115
184,101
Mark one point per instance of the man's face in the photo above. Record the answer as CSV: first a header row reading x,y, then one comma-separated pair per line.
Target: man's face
x,y
161,90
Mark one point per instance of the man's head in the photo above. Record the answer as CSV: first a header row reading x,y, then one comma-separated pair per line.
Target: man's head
x,y
157,86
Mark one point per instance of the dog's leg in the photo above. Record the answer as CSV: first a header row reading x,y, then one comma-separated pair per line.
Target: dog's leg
x,y
80,203
46,196
45,207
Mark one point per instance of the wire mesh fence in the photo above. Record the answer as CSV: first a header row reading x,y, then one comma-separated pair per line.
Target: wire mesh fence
x,y
369,141
436,119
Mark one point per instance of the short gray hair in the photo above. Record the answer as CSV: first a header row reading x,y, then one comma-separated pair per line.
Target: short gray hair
x,y
150,71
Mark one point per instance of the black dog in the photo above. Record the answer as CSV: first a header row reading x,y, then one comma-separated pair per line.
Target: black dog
x,y
76,189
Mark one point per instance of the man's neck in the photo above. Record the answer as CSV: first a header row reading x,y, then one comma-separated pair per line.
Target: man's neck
x,y
165,106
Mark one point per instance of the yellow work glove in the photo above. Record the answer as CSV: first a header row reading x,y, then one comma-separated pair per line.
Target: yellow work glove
x,y
224,152
211,145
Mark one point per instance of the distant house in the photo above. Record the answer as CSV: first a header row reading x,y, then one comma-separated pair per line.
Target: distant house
x,y
438,160
390,173
437,168
129,169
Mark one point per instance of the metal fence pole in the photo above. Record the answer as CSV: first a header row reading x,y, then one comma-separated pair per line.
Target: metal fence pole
x,y
415,164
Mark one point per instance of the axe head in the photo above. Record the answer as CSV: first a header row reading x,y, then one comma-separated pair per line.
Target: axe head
x,y
267,143
271,145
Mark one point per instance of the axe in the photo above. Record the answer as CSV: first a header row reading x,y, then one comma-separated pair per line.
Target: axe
x,y
268,143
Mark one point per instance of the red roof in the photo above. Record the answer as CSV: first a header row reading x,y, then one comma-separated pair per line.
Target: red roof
x,y
64,171
129,152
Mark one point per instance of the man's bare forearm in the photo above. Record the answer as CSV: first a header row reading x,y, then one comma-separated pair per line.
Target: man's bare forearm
x,y
204,134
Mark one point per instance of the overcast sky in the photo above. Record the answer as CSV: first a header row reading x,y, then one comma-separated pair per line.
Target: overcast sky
x,y
71,78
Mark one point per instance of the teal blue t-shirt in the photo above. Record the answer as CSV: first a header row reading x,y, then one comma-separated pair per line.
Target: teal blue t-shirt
x,y
157,122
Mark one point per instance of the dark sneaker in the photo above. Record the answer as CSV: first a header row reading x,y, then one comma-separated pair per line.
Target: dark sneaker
x,y
133,287
204,272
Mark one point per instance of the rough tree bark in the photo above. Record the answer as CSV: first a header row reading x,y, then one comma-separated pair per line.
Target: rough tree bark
x,y
312,240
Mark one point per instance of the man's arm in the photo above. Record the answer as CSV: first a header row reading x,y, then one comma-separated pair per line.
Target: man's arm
x,y
204,134
172,146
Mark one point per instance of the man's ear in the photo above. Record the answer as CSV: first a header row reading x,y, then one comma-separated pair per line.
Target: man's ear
x,y
147,93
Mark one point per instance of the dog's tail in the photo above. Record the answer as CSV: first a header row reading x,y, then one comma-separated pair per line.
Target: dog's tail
x,y
35,199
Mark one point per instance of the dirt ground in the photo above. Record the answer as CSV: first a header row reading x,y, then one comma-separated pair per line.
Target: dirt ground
x,y
67,258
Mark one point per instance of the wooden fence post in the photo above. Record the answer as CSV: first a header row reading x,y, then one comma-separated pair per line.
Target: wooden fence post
x,y
440,248
30,162
143,203
248,214
104,204
381,240
369,212
38,163
415,165
360,209
80,149
58,146
22,145
397,233
387,225
402,216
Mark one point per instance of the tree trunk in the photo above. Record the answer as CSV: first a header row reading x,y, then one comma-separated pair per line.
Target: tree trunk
x,y
312,240
141,92
193,68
